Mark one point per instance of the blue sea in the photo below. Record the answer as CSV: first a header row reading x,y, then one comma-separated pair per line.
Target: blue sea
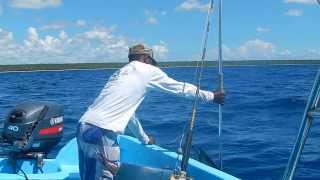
x,y
262,113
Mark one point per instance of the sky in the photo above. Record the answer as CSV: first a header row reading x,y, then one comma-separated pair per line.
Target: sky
x,y
83,31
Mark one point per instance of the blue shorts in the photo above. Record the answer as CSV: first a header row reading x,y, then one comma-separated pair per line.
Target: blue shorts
x,y
99,152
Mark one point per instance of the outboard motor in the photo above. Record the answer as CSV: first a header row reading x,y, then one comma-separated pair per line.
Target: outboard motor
x,y
32,129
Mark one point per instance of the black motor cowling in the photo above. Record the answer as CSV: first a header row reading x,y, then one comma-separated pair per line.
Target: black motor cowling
x,y
34,127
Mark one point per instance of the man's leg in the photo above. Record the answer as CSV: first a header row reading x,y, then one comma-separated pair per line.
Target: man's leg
x,y
109,156
87,152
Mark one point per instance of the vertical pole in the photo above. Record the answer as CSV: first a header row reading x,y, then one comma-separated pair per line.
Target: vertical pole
x,y
220,76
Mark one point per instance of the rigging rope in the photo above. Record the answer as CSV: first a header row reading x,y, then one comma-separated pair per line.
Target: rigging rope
x,y
187,144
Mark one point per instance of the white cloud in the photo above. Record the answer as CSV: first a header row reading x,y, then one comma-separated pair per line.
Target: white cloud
x,y
54,26
34,4
294,12
81,23
36,46
163,13
190,5
100,44
63,35
103,43
301,1
6,38
160,50
151,18
250,50
286,52
256,48
99,33
263,29
8,49
32,34
313,53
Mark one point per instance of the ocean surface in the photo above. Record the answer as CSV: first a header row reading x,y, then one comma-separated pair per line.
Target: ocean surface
x,y
262,113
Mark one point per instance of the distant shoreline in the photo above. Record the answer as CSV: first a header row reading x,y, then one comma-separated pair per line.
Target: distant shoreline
x,y
89,66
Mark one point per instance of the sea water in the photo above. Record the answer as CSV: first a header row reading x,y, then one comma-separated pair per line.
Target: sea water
x,y
262,113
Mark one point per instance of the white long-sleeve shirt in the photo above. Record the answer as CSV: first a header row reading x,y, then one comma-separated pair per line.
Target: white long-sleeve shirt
x,y
126,89
136,129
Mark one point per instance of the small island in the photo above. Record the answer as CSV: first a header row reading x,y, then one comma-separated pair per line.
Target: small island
x,y
83,66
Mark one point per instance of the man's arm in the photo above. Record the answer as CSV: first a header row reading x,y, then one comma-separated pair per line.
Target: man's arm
x,y
137,130
161,81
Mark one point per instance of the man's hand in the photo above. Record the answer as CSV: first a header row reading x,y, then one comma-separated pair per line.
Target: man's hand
x,y
151,140
219,97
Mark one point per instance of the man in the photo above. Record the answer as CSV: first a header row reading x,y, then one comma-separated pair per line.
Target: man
x,y
114,108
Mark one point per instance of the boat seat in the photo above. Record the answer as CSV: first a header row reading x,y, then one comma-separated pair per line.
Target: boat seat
x,y
136,172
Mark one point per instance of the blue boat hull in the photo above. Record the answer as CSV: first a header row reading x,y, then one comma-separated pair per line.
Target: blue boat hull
x,y
65,166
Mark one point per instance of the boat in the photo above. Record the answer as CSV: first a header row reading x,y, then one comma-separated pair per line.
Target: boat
x,y
33,128
150,160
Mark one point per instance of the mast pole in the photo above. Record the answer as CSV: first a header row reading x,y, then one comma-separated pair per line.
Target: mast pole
x,y
220,76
